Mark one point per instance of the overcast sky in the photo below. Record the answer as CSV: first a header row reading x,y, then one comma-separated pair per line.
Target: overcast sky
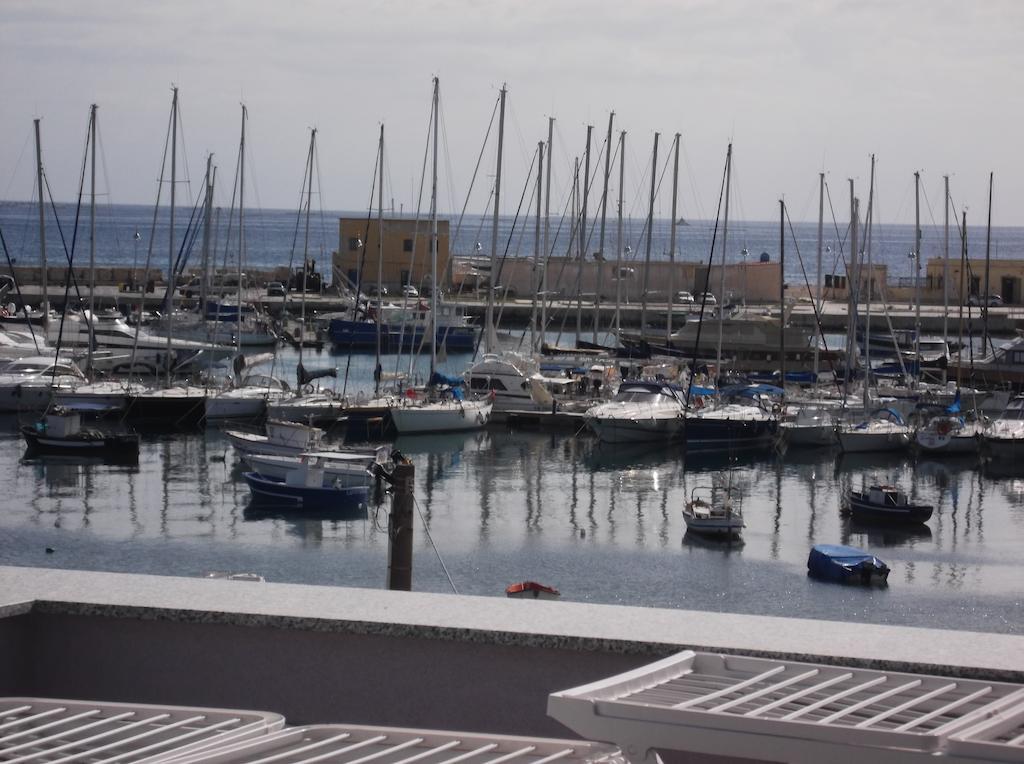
x,y
799,87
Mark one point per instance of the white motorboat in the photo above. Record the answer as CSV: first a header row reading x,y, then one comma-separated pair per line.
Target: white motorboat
x,y
411,416
283,438
812,426
641,411
340,468
1004,437
884,430
248,400
518,383
30,383
712,515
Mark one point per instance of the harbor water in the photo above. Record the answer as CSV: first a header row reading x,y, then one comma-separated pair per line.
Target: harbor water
x,y
601,524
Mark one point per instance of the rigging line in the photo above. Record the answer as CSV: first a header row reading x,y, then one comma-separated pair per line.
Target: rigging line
x,y
433,546
70,258
554,290
184,155
814,303
17,287
17,166
361,266
496,278
707,282
109,201
476,170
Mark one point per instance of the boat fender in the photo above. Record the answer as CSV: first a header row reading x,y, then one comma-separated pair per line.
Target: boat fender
x,y
307,389
776,408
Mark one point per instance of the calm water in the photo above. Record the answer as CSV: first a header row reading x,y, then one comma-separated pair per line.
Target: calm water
x,y
603,525
271,235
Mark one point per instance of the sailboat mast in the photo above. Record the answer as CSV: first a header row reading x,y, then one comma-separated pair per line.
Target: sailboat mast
x,y
725,239
650,225
672,240
305,244
852,290
963,271
782,297
241,229
433,236
207,228
988,252
547,232
538,263
618,238
170,256
604,215
489,323
92,234
817,283
583,238
868,225
380,261
42,227
945,263
917,276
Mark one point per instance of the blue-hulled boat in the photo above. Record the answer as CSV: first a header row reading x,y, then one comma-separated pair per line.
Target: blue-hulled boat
x,y
304,488
404,328
846,565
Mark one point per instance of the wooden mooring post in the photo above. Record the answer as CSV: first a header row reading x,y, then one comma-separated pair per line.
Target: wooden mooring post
x,y
402,480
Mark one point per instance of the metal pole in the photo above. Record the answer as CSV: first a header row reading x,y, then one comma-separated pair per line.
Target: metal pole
x,y
547,232
917,276
945,265
92,235
672,242
380,261
618,239
725,239
604,214
433,231
782,297
489,328
988,245
170,257
400,527
583,238
42,228
650,224
539,263
241,231
817,284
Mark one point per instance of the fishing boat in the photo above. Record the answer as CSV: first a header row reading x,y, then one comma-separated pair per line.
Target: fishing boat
x,y
60,432
846,565
341,469
282,438
304,488
531,590
710,517
886,504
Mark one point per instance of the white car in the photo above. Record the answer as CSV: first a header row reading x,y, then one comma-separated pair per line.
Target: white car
x,y
409,291
707,299
684,298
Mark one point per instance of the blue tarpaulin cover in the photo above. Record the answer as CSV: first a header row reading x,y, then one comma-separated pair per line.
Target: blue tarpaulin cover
x,y
438,379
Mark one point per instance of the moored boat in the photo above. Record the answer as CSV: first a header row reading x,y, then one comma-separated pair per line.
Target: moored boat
x,y
886,504
61,432
641,411
846,565
304,488
711,517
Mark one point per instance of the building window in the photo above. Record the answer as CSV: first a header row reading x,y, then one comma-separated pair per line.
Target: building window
x,y
1017,357
353,244
405,278
407,245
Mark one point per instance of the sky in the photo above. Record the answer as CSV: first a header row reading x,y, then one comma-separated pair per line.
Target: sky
x,y
798,87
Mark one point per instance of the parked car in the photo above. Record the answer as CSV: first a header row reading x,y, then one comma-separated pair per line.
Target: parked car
x,y
409,291
992,300
375,291
707,298
275,289
684,298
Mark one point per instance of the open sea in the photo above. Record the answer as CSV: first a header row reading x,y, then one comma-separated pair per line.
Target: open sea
x,y
497,506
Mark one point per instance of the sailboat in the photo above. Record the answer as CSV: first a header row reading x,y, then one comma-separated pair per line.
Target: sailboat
x,y
445,410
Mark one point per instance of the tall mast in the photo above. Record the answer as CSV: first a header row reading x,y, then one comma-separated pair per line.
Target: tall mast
x,y
988,250
650,224
583,238
433,236
207,227
547,231
960,300
868,225
538,263
618,238
917,276
725,239
817,284
92,234
604,215
782,296
305,243
241,231
672,241
380,261
945,263
42,227
489,324
852,289
170,255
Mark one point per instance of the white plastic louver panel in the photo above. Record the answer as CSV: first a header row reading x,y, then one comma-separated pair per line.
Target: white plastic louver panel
x,y
998,739
37,730
785,711
391,745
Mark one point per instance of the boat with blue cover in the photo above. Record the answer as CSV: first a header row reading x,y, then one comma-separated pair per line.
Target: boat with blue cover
x,y
846,565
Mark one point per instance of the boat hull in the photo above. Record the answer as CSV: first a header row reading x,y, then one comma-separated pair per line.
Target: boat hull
x,y
635,430
853,441
866,511
727,434
362,335
344,474
449,416
808,435
86,443
275,493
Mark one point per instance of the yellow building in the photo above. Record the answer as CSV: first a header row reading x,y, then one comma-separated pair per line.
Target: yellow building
x,y
404,259
1004,279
